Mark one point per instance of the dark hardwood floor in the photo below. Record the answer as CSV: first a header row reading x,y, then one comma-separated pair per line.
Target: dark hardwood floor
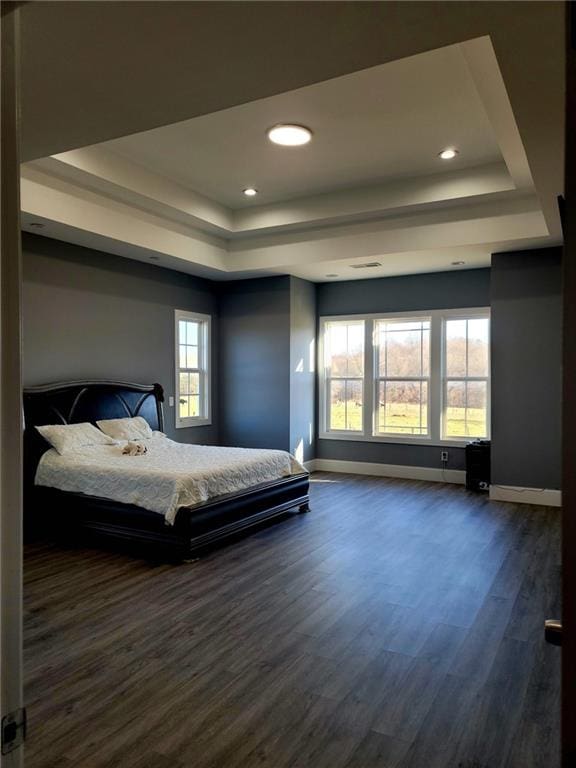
x,y
397,625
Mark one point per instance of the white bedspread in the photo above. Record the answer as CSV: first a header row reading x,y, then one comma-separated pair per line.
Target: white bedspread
x,y
169,476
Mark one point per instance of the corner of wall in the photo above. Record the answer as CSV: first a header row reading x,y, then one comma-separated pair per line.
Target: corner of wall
x,y
302,369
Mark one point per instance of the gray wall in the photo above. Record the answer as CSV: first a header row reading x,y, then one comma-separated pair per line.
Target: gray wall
x,y
302,368
526,368
88,314
437,290
440,290
91,315
254,357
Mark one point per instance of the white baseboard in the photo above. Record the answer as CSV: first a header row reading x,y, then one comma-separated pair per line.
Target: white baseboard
x,y
545,496
387,470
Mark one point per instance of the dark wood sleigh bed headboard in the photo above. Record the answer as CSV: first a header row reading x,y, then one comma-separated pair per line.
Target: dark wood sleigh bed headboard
x,y
73,402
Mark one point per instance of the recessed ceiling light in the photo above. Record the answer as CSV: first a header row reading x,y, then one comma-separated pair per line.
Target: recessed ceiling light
x,y
250,192
448,154
288,135
154,258
331,275
458,263
36,224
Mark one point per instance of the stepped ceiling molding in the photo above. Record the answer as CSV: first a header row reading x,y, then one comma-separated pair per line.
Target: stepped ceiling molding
x,y
370,186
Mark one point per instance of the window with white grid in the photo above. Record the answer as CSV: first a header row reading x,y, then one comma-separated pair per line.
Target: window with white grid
x,y
466,377
192,369
344,375
420,377
402,376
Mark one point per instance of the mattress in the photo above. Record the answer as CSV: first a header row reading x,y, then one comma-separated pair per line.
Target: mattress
x,y
169,476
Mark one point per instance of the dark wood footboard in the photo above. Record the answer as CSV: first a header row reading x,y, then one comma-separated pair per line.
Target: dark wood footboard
x,y
50,512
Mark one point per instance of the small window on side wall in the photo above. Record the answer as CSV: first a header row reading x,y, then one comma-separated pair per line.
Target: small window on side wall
x,y
192,369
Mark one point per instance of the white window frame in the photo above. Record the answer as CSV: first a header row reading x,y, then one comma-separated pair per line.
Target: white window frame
x,y
436,392
204,369
377,378
329,379
464,315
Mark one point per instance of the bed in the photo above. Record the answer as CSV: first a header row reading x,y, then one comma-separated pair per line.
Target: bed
x,y
188,529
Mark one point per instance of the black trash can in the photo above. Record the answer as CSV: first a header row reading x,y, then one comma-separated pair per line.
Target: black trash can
x,y
478,465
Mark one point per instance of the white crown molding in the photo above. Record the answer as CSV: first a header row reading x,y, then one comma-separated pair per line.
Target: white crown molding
x,y
55,202
516,218
69,210
359,203
100,170
483,66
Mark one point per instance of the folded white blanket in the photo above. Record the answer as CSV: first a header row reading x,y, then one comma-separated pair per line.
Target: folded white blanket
x,y
168,476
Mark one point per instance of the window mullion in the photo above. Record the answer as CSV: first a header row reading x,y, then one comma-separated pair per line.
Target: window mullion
x,y
369,394
327,401
324,373
435,394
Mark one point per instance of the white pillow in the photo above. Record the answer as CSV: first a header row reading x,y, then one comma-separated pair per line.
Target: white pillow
x,y
72,437
136,428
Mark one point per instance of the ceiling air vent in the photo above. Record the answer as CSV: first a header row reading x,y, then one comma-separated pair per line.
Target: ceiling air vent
x,y
367,265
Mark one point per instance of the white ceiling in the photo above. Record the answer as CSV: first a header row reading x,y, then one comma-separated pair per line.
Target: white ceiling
x,y
369,127
370,186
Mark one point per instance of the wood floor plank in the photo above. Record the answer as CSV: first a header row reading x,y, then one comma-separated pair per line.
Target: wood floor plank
x,y
499,701
398,625
378,751
536,738
476,655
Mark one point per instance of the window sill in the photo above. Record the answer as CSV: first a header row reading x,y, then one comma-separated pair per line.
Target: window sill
x,y
398,440
187,423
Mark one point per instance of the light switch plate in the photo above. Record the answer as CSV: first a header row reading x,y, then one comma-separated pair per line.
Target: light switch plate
x,y
171,402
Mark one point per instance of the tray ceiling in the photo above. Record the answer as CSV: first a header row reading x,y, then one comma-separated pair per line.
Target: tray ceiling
x,y
370,185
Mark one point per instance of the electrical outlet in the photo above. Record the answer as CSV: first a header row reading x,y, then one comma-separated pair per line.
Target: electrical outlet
x,y
444,456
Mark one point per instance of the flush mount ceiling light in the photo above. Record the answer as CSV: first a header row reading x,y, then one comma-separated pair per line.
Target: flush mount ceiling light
x,y
448,154
154,258
289,135
458,263
250,192
331,274
36,224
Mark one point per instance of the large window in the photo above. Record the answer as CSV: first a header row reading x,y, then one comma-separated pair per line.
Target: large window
x,y
192,369
420,377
